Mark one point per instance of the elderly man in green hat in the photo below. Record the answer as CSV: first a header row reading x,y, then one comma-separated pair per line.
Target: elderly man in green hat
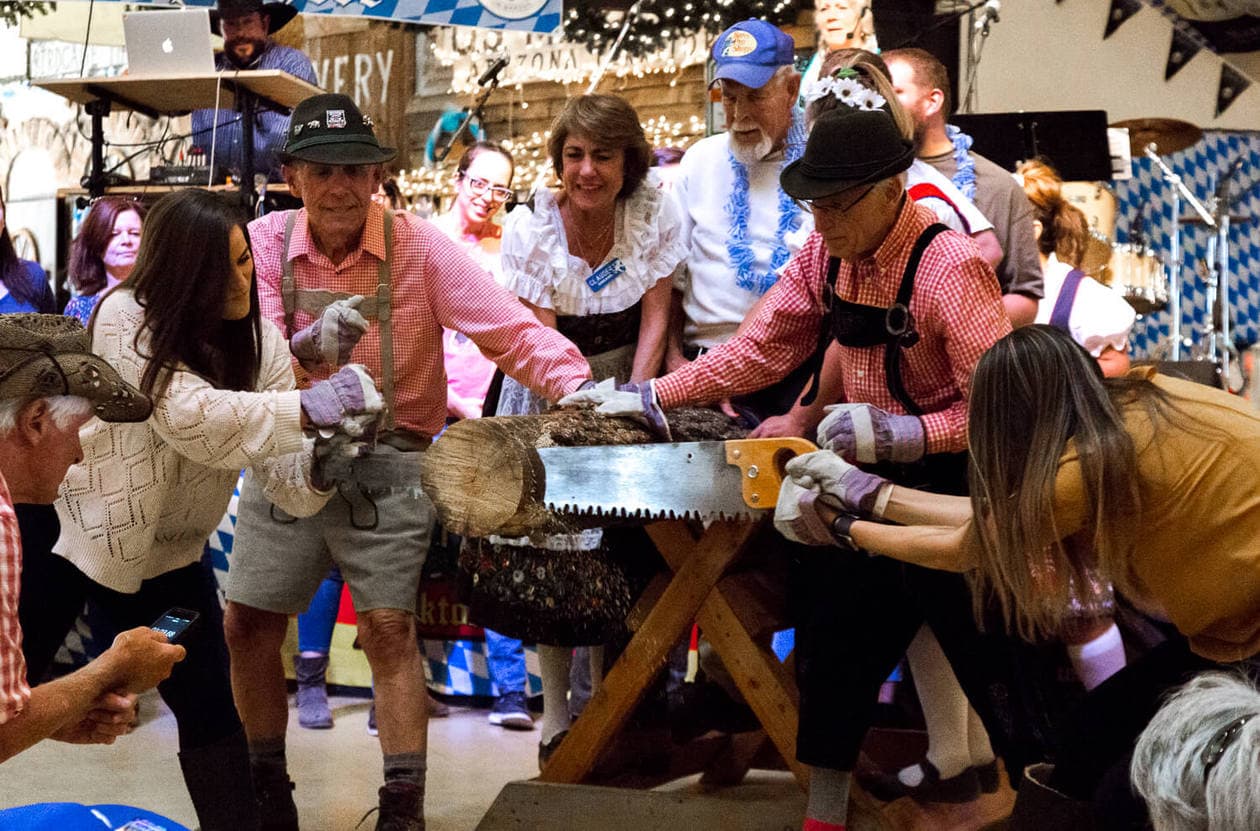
x,y
909,307
50,385
347,281
247,27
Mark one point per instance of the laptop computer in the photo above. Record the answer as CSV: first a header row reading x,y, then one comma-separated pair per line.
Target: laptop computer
x,y
168,42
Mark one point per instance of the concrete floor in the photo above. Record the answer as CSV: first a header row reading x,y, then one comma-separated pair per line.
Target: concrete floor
x,y
337,771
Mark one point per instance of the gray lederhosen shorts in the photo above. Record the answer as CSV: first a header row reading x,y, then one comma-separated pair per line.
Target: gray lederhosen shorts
x,y
376,529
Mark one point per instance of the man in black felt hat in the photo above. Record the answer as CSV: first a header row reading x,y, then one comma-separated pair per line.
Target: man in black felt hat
x,y
909,307
346,280
247,26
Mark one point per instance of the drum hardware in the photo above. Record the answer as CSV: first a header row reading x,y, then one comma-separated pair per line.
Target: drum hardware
x,y
1167,135
1179,192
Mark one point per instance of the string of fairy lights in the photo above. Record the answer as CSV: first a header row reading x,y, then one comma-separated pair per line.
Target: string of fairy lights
x,y
663,37
533,166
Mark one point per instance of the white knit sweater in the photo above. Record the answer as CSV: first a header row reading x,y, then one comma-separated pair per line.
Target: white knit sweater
x,y
146,496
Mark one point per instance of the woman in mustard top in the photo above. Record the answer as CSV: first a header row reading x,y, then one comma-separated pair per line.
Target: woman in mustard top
x,y
1151,482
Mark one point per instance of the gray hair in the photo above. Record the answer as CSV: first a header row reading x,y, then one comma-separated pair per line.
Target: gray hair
x,y
1168,764
63,409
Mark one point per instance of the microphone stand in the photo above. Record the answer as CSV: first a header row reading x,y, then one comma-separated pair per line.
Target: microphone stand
x,y
482,97
975,49
1179,190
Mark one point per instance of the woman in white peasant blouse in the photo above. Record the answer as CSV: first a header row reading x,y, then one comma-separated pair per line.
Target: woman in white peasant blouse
x,y
595,261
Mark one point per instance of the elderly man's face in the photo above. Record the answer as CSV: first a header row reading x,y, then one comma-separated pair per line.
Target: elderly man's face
x,y
244,37
56,447
759,119
336,196
855,221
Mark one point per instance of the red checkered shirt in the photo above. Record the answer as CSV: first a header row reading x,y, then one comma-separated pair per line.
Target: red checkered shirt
x,y
434,285
14,692
956,304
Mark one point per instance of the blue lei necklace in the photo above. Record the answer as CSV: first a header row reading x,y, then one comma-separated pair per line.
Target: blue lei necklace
x,y
738,245
965,176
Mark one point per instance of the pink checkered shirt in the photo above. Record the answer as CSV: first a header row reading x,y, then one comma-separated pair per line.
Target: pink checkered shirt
x,y
434,285
956,303
14,692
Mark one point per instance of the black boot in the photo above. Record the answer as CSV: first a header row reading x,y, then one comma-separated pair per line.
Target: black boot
x,y
274,794
401,808
218,780
1038,807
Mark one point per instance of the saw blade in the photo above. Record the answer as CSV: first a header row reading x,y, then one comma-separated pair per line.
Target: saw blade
x,y
682,480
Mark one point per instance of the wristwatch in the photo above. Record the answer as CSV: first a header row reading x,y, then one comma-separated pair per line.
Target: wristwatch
x,y
840,530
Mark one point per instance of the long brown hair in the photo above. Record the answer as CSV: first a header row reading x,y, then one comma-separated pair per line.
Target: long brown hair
x,y
1033,392
181,279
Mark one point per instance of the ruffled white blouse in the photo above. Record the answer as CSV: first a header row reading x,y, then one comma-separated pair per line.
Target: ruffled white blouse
x,y
537,264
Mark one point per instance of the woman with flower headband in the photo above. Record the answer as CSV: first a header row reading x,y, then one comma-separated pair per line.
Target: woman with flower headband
x,y
911,306
1147,481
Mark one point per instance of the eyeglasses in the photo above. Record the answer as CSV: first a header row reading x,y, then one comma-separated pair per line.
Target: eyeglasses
x,y
810,206
479,187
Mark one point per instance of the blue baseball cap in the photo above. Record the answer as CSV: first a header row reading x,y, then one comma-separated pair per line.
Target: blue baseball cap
x,y
751,52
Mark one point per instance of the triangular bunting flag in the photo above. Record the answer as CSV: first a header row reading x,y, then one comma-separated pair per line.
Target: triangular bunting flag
x,y
1184,46
1120,11
1232,85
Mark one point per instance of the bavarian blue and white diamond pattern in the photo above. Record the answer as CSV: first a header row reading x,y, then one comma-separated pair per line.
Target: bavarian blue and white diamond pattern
x,y
1148,195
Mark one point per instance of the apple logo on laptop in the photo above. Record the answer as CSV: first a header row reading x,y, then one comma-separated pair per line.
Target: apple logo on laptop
x,y
167,46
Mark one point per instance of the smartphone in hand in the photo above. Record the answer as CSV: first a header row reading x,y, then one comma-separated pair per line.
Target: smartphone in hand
x,y
174,623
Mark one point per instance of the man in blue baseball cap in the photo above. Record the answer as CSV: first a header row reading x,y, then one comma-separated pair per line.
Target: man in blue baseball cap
x,y
739,226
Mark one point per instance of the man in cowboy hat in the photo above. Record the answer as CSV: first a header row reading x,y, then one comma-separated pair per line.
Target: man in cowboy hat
x,y
911,306
338,270
247,26
50,385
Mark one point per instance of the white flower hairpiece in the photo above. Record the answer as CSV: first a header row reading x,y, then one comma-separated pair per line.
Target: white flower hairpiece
x,y
845,87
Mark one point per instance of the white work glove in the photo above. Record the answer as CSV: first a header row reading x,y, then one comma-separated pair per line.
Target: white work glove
x,y
330,339
796,515
853,489
636,400
865,434
338,401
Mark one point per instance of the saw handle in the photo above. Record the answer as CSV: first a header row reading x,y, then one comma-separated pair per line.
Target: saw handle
x,y
761,463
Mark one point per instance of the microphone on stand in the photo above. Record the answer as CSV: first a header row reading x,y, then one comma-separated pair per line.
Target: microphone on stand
x,y
857,24
988,15
492,72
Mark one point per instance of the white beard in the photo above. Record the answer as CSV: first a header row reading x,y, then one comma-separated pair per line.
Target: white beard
x,y
752,153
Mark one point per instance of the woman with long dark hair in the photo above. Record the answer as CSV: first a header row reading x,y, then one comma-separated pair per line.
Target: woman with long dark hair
x,y
1146,481
24,286
104,252
136,511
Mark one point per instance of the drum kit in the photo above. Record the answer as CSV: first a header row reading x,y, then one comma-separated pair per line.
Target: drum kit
x,y
1135,270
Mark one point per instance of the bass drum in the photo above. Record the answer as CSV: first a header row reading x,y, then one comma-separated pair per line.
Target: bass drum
x,y
1137,274
1098,203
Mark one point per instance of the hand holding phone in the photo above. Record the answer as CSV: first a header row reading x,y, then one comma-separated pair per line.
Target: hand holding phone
x,y
174,623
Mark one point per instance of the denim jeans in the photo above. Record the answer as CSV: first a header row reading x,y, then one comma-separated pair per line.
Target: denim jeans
x,y
506,659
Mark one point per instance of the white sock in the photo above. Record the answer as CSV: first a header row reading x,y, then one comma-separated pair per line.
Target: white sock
x,y
1099,659
944,709
553,666
828,795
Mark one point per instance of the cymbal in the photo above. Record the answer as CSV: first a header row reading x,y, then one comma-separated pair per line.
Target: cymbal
x,y
1167,134
1195,219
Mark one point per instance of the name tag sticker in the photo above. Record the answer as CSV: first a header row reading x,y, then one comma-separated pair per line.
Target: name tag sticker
x,y
606,273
